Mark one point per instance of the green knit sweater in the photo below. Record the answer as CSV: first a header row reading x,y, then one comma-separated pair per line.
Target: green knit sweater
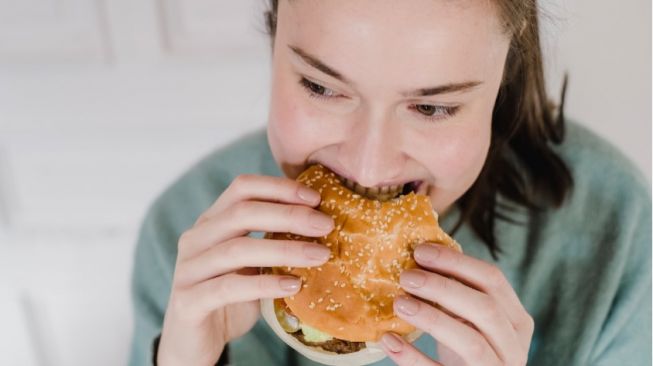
x,y
583,271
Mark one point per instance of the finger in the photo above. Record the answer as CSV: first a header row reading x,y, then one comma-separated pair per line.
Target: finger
x,y
200,300
465,341
262,188
247,216
250,252
470,304
478,274
404,353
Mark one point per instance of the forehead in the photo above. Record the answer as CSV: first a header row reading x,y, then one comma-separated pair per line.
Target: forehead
x,y
397,36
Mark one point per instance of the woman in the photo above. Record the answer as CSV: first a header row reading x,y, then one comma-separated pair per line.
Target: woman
x,y
555,228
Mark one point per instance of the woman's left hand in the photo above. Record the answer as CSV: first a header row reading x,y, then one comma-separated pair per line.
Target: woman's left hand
x,y
484,323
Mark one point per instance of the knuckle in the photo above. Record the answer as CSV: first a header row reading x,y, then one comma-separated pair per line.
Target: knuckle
x,y
181,277
242,180
434,320
490,309
230,249
288,250
528,323
182,305
238,185
476,350
201,219
223,286
495,278
446,284
455,258
239,209
294,213
185,239
264,285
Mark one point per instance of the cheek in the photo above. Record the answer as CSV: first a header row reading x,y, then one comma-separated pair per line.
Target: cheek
x,y
293,128
459,155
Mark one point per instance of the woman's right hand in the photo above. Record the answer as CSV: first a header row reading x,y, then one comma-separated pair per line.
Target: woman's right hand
x,y
216,284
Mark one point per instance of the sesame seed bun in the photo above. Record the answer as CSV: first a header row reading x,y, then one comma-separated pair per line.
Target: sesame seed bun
x,y
350,297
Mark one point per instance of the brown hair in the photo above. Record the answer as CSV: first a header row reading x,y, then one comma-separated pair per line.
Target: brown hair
x,y
521,165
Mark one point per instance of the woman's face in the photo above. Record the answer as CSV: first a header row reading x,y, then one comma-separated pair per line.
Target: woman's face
x,y
386,92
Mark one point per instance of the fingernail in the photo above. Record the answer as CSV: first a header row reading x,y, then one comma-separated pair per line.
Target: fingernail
x,y
393,342
427,253
407,305
290,284
412,278
308,195
320,221
317,252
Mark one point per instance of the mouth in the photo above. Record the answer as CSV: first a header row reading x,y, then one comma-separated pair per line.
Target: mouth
x,y
381,193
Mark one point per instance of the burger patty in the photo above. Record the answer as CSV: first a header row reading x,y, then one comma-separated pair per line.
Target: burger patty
x,y
334,345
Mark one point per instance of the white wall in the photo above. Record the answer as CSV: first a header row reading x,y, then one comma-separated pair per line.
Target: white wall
x,y
103,103
606,48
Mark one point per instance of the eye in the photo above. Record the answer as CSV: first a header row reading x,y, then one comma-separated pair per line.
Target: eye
x,y
432,112
316,90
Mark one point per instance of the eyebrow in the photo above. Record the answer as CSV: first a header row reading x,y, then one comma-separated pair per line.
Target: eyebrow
x,y
316,63
422,92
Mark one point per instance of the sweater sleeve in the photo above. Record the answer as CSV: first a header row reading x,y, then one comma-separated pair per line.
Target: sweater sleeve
x,y
172,213
151,281
625,337
156,251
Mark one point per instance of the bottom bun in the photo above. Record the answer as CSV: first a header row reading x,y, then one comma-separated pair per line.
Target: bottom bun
x,y
370,354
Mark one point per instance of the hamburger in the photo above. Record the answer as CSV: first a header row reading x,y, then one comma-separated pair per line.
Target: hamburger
x,y
346,305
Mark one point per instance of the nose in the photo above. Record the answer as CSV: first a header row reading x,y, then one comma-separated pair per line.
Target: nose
x,y
372,152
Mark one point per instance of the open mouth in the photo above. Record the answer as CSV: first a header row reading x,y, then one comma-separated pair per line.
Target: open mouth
x,y
381,193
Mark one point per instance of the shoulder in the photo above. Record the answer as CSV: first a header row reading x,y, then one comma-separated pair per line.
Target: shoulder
x,y
600,171
179,205
609,208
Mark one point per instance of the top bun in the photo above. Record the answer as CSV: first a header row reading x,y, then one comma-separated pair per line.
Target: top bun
x,y
350,297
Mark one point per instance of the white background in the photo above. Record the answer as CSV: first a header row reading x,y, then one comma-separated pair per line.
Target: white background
x,y
103,103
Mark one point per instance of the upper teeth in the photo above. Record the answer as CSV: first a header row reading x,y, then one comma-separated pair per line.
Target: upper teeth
x,y
379,193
